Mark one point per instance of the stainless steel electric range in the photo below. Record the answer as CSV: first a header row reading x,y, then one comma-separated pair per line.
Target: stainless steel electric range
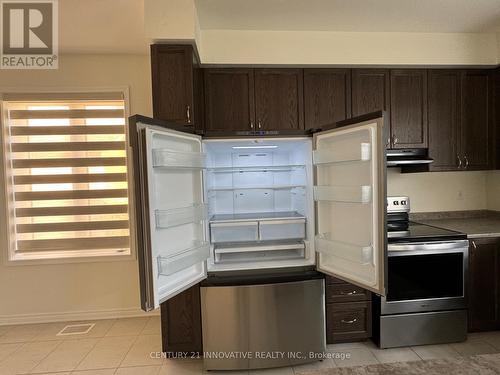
x,y
427,274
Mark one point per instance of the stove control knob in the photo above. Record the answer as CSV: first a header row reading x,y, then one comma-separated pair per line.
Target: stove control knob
x,y
403,203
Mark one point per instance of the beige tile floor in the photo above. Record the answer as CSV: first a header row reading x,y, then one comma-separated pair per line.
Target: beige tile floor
x,y
123,347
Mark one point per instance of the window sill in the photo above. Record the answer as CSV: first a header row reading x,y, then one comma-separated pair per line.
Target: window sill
x,y
59,257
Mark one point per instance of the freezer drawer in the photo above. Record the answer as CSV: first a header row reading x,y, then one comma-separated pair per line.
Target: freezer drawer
x,y
282,229
234,231
287,317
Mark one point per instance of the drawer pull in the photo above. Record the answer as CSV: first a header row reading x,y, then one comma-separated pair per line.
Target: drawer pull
x,y
349,293
349,321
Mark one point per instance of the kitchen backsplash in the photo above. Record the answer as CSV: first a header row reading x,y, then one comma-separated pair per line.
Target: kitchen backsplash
x,y
447,191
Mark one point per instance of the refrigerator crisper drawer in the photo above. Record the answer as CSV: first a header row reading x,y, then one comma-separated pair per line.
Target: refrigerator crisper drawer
x,y
282,229
234,232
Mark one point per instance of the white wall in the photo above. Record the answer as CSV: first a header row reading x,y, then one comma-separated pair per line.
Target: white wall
x,y
78,290
177,21
344,48
498,48
441,191
493,190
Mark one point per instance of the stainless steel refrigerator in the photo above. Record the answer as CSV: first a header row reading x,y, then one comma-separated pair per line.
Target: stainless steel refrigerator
x,y
254,216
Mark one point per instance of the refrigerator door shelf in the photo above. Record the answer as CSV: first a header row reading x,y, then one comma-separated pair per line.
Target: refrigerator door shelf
x,y
199,252
166,158
181,216
362,152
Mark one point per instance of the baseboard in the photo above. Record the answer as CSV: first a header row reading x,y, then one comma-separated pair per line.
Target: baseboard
x,y
74,316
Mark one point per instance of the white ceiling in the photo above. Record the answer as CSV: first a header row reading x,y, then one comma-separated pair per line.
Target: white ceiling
x,y
430,16
117,26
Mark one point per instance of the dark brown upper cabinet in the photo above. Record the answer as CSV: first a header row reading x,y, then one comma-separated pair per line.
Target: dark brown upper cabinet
x,y
461,124
370,93
476,128
176,83
327,96
408,93
444,101
229,99
279,99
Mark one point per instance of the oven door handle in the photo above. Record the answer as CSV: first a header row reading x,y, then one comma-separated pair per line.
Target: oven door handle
x,y
428,246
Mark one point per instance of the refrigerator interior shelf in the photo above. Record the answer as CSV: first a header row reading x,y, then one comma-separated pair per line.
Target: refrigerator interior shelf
x,y
271,168
180,216
347,194
199,252
271,187
332,155
251,247
165,158
356,253
275,215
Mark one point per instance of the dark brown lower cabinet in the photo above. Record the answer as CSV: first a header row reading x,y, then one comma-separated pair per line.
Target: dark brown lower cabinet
x,y
496,116
348,317
181,323
348,312
484,284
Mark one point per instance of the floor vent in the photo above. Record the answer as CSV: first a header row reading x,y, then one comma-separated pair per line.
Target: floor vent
x,y
76,329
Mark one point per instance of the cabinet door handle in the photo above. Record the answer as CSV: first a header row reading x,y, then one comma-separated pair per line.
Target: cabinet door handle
x,y
466,161
188,114
251,125
395,140
388,142
474,245
349,293
259,125
349,321
459,162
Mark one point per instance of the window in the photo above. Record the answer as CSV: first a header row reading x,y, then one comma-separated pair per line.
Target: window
x,y
66,171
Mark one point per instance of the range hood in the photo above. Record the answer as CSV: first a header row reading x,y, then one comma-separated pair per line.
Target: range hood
x,y
407,157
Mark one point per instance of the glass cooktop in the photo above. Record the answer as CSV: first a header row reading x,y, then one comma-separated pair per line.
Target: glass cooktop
x,y
422,232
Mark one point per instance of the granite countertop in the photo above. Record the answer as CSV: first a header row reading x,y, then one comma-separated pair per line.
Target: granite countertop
x,y
475,224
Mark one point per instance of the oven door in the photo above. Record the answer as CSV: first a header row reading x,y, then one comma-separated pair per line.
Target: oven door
x,y
426,276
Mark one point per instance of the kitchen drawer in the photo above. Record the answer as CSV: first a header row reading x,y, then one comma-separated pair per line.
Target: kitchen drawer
x,y
348,321
282,229
344,292
234,231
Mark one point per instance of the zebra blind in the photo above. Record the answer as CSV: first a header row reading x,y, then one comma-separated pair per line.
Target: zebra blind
x,y
66,165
